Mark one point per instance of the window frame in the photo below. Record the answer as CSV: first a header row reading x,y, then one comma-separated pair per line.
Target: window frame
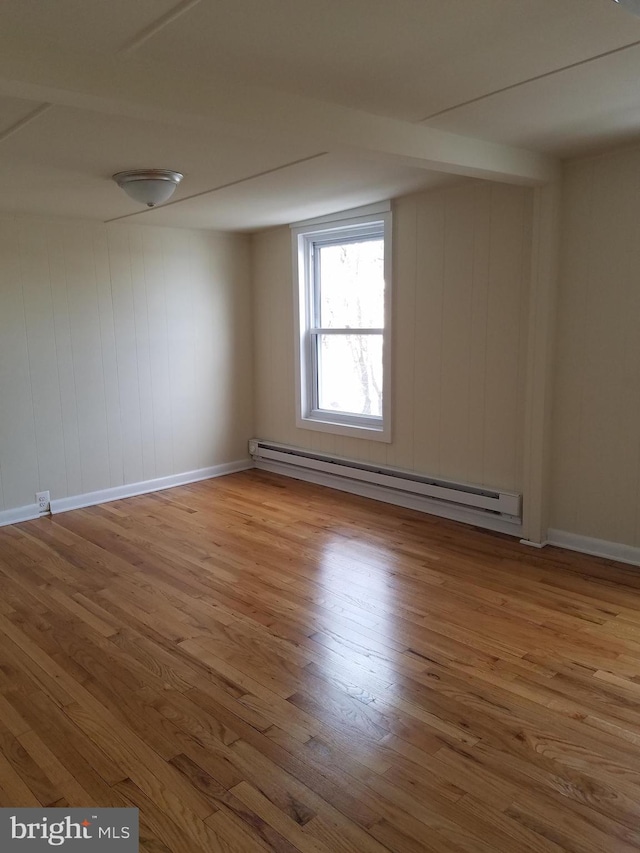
x,y
327,231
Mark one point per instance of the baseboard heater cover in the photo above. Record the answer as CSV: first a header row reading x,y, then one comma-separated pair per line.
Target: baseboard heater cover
x,y
496,503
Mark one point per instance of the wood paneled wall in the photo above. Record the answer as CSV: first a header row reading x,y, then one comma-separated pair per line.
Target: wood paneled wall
x,y
461,276
596,430
125,354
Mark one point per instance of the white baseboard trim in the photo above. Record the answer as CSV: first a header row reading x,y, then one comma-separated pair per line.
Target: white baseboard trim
x,y
18,514
145,487
596,547
391,496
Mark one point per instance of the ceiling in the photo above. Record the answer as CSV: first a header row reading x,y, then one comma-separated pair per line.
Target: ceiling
x,y
278,110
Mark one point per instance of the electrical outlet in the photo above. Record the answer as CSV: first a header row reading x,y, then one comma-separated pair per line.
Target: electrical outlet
x,y
43,499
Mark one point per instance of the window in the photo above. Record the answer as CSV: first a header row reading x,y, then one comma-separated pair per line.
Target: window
x,y
344,299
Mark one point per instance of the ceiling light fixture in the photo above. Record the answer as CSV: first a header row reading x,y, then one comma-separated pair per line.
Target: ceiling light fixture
x,y
148,186
632,5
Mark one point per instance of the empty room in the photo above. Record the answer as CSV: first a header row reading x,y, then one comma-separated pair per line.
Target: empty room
x,y
320,426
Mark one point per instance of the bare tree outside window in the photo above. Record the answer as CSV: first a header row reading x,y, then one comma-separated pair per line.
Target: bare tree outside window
x,y
351,299
343,305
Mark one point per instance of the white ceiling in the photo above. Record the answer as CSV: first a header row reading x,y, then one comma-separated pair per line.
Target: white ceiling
x,y
278,110
406,58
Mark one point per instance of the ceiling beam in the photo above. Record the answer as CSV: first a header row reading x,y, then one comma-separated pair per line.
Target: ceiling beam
x,y
32,115
127,85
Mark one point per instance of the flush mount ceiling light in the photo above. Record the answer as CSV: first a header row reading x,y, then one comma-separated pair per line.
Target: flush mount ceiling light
x,y
632,5
148,186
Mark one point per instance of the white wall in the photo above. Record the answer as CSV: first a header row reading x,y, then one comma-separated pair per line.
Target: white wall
x,y
125,354
462,267
596,420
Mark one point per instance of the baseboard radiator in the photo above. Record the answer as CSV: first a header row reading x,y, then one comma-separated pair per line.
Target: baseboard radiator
x,y
500,506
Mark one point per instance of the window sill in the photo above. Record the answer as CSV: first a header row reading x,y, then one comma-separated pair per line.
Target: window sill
x,y
354,430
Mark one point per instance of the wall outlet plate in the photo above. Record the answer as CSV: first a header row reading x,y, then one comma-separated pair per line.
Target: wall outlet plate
x,y
43,499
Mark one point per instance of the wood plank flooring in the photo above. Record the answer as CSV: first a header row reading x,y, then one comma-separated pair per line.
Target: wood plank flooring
x,y
261,664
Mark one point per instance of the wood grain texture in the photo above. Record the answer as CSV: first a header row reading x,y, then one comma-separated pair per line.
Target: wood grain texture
x,y
257,663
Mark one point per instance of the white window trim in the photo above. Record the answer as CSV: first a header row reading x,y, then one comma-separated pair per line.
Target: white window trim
x,y
338,423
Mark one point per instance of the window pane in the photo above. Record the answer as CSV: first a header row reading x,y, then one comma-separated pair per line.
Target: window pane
x,y
350,374
351,285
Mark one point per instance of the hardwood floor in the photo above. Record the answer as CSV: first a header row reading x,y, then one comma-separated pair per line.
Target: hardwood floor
x,y
262,664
